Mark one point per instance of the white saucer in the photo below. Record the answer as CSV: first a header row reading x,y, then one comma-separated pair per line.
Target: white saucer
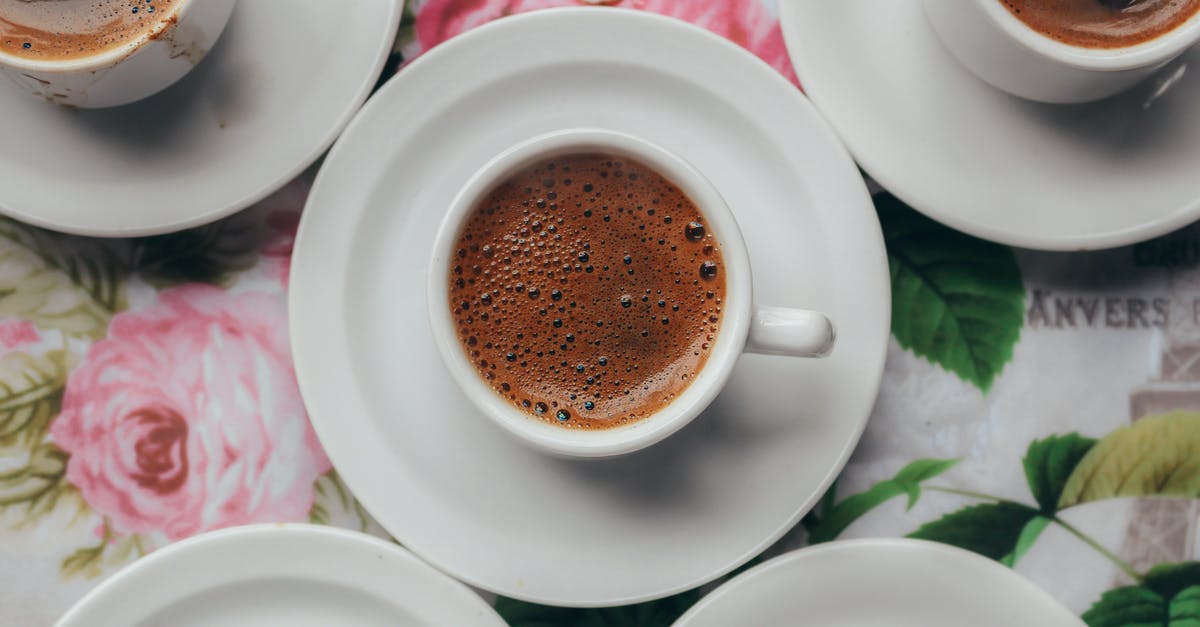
x,y
894,582
294,575
469,498
1040,176
275,91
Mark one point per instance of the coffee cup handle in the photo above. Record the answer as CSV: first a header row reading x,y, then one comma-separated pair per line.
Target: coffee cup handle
x,y
792,332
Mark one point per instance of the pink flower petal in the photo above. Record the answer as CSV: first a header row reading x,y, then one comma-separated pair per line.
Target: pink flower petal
x,y
188,418
745,22
15,334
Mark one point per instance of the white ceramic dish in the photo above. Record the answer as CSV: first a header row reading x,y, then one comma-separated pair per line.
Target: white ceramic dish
x,y
894,582
1054,177
293,575
281,83
453,487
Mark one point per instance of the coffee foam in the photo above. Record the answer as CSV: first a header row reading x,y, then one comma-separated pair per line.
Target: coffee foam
x,y
587,291
1103,23
71,29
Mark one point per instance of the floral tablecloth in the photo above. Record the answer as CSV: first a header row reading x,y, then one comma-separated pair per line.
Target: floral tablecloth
x,y
1040,409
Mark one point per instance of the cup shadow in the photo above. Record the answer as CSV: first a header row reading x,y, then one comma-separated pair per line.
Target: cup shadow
x,y
1130,125
158,124
669,475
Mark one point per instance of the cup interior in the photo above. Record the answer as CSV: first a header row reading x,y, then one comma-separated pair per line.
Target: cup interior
x,y
727,347
103,59
1148,53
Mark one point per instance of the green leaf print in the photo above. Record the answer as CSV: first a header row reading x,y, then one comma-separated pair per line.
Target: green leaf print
x,y
69,284
209,254
1184,610
406,34
110,552
1168,597
30,391
30,396
1049,462
956,300
1025,541
911,476
991,529
1156,456
660,613
1169,580
333,504
41,474
1133,606
906,482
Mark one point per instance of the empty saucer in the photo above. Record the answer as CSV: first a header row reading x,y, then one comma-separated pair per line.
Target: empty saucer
x,y
294,575
895,582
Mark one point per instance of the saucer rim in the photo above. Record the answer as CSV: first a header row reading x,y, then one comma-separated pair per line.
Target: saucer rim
x,y
867,549
203,552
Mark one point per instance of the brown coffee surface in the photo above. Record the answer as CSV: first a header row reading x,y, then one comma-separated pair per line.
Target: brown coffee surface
x,y
1103,23
58,30
587,290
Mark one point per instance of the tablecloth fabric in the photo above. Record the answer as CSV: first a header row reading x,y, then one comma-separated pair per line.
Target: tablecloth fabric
x,y
1041,409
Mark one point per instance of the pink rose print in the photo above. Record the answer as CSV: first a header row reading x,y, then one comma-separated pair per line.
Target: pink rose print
x,y
745,22
17,334
187,417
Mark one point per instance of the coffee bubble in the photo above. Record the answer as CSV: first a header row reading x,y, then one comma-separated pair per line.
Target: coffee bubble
x,y
614,341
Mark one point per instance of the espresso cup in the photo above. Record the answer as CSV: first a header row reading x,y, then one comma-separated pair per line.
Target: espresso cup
x,y
746,327
1002,50
134,70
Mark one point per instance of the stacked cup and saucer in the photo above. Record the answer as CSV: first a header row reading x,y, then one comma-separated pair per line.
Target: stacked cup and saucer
x,y
137,117
1049,125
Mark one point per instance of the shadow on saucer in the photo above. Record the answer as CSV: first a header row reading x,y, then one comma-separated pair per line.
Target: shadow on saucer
x,y
1129,126
671,474
157,124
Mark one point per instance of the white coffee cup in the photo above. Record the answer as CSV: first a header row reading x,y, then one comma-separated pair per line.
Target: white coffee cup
x,y
1004,51
746,327
139,68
